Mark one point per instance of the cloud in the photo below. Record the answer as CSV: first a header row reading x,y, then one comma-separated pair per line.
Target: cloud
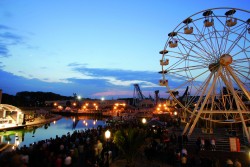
x,y
95,87
87,82
1,65
118,77
11,38
74,64
8,38
3,27
115,82
4,52
113,93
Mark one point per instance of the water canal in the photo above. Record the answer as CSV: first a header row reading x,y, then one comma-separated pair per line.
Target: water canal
x,y
60,127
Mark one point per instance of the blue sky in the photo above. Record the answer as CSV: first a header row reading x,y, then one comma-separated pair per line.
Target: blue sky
x,y
92,48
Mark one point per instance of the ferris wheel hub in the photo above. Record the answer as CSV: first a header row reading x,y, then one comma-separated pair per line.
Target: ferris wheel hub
x,y
213,66
226,59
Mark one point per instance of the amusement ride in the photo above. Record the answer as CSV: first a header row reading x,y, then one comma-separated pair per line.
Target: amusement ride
x,y
207,55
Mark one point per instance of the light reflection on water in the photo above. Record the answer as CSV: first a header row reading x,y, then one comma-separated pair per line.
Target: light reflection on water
x,y
59,127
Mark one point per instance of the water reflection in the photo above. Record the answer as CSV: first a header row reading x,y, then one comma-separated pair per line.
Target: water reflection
x,y
60,127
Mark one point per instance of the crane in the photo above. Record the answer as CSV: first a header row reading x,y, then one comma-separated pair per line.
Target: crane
x,y
138,96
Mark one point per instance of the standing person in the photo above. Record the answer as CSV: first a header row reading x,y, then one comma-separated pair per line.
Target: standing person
x,y
58,161
202,144
99,148
184,151
68,160
213,144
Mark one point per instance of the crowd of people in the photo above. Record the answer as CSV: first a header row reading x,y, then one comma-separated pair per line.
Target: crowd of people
x,y
81,148
89,148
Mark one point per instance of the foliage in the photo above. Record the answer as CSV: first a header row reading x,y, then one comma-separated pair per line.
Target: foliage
x,y
32,99
129,141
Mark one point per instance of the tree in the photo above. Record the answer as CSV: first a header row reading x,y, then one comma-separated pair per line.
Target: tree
x,y
128,142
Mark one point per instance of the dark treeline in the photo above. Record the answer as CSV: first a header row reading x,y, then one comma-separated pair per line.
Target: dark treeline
x,y
32,99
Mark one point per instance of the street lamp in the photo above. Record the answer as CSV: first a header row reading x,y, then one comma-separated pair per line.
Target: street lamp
x,y
55,104
107,134
144,120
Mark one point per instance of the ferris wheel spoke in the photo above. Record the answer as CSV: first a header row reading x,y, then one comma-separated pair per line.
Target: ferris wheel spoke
x,y
217,37
238,27
190,45
199,36
183,58
179,76
201,54
209,42
240,61
177,71
205,51
180,56
243,51
244,75
225,42
240,68
174,65
183,46
236,41
224,36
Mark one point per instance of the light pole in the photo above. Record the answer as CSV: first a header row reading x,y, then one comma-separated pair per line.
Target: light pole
x,y
107,136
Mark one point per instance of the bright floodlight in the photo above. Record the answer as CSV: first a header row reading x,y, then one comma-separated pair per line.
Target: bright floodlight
x,y
144,120
107,134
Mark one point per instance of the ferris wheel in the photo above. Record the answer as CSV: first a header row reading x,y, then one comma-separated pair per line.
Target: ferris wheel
x,y
207,59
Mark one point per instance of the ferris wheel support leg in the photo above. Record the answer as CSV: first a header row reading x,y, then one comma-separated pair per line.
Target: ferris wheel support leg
x,y
196,107
206,98
238,106
238,82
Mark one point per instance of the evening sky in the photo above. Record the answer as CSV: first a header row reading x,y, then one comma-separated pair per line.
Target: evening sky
x,y
95,48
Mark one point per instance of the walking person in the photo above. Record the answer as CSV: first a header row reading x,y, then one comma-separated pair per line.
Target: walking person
x,y
202,144
213,144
